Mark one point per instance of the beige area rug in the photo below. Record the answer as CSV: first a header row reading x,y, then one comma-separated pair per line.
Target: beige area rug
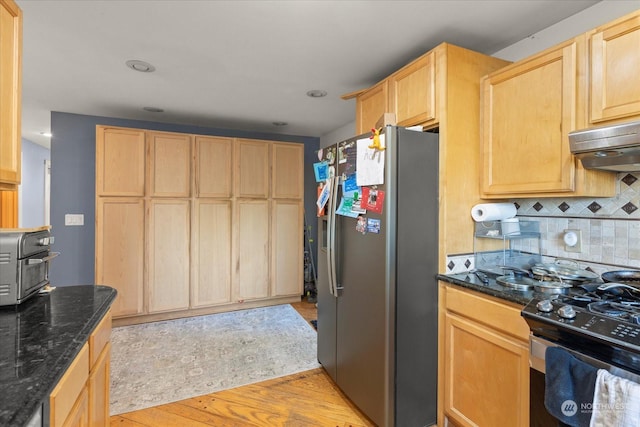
x,y
162,362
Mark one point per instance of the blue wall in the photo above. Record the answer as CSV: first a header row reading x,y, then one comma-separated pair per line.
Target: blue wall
x,y
32,206
73,184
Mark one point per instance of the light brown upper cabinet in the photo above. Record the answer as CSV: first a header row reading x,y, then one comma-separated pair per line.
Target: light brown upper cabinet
x,y
120,161
213,166
251,175
615,70
168,255
287,163
169,164
10,93
528,109
413,92
370,106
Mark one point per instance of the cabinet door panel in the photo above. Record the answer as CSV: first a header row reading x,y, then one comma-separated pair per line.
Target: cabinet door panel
x,y
10,91
251,175
211,275
615,61
120,162
9,209
528,111
287,164
370,106
79,414
71,393
168,255
120,251
169,164
99,389
487,376
287,240
252,257
213,166
413,92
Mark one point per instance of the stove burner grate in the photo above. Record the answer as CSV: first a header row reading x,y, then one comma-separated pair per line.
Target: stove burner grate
x,y
608,308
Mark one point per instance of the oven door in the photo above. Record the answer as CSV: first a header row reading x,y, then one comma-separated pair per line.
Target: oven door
x,y
33,274
538,414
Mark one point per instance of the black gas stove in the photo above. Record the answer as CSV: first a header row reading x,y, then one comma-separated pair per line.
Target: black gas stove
x,y
599,320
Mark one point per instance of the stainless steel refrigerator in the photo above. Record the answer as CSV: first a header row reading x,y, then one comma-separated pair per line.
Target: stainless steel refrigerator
x,y
377,288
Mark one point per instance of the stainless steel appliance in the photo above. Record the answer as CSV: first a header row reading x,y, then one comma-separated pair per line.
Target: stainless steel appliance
x,y
377,291
24,258
595,322
615,147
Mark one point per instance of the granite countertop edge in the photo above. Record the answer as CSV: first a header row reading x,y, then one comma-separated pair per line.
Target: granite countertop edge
x,y
469,281
39,393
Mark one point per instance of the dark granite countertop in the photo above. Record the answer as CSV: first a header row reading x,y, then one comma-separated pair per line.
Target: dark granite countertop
x,y
471,281
39,340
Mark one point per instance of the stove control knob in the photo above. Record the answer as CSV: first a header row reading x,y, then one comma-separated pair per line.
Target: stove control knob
x,y
43,241
566,312
545,306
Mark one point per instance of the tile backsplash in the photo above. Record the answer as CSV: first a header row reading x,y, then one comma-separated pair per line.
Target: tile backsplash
x,y
623,206
610,228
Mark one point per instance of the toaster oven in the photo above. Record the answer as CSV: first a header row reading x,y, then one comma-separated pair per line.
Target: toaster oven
x,y
24,260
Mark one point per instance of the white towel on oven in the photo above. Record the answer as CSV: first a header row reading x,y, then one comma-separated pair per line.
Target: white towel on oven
x,y
616,401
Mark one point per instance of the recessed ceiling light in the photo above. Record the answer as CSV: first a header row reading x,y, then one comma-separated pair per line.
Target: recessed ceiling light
x,y
279,123
46,134
317,93
143,67
153,109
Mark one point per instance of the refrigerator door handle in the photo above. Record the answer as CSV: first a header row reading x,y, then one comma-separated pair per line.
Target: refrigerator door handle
x,y
331,246
330,225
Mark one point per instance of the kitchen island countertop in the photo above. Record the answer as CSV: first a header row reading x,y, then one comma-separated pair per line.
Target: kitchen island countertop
x,y
40,338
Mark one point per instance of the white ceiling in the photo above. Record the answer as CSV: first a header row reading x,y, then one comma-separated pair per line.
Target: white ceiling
x,y
244,64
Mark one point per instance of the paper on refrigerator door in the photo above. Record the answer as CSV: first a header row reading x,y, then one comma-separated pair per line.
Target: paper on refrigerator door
x,y
324,194
369,163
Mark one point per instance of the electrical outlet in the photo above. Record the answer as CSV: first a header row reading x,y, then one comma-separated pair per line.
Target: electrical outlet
x,y
74,219
572,240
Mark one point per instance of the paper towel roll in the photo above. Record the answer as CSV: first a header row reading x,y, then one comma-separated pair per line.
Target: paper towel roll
x,y
493,211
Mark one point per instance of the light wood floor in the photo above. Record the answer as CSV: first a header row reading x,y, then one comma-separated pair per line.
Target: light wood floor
x,y
305,399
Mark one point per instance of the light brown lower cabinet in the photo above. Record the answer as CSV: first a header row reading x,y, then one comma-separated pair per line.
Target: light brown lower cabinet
x,y
486,360
120,223
287,230
79,414
211,253
99,375
81,397
251,271
168,254
69,404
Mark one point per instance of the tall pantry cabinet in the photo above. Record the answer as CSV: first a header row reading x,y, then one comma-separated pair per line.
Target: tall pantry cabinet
x,y
194,224
211,230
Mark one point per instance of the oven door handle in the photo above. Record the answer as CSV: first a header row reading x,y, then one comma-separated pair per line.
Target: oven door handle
x,y
538,348
49,257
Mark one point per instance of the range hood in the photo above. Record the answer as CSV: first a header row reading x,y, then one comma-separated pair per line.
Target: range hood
x,y
614,148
